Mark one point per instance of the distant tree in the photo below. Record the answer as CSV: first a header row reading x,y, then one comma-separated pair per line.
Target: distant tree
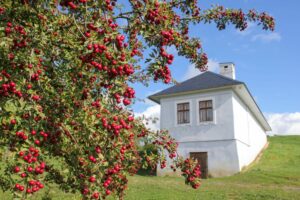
x,y
66,67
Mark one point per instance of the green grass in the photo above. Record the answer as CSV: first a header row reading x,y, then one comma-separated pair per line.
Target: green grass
x,y
275,176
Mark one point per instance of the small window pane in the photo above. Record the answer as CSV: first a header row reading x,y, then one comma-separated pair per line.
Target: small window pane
x,y
183,113
205,111
209,103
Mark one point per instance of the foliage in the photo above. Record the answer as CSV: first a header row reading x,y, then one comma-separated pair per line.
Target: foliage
x,y
65,69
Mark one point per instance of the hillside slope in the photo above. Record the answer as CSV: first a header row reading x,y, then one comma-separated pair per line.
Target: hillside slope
x,y
275,176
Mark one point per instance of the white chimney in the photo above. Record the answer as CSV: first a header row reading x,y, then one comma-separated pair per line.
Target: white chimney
x,y
227,69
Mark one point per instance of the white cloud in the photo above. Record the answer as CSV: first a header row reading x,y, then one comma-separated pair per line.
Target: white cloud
x,y
284,123
213,66
251,31
267,37
152,113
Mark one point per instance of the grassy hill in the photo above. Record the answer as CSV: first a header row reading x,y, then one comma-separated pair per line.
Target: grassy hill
x,y
275,176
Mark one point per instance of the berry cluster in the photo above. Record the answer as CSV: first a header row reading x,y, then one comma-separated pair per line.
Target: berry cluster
x,y
169,57
202,63
167,36
9,88
191,171
33,168
155,15
163,73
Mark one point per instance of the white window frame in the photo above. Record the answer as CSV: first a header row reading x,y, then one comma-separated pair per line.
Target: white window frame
x,y
214,121
176,117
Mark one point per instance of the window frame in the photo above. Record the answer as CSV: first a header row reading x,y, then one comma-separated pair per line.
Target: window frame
x,y
176,112
213,111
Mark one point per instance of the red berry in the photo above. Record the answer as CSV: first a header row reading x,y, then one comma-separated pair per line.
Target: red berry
x,y
85,191
13,121
72,5
36,97
95,195
90,47
87,34
92,179
41,185
16,169
21,188
12,84
130,118
17,186
29,169
23,175
107,192
35,189
31,182
98,149
126,102
43,165
37,142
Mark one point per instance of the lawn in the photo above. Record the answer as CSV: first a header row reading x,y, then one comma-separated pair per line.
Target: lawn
x,y
275,176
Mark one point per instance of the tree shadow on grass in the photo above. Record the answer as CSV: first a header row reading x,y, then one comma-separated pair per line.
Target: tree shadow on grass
x,y
147,172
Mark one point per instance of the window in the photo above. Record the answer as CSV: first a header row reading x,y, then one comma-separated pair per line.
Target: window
x,y
183,113
206,111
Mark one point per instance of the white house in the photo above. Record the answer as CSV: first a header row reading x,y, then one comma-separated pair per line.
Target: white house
x,y
215,119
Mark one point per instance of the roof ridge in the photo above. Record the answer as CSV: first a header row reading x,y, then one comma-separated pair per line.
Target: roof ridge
x,y
179,83
225,77
193,77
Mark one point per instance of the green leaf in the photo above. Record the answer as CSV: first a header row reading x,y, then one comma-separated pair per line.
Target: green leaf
x,y
10,107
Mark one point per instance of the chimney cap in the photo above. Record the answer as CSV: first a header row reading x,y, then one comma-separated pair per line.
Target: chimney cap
x,y
224,63
227,69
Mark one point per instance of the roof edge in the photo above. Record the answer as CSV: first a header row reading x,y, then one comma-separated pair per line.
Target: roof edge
x,y
266,126
156,98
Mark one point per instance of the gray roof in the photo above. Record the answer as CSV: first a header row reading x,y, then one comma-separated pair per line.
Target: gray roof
x,y
206,80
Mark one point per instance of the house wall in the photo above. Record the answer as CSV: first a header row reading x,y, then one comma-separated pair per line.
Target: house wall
x,y
217,138
221,129
221,157
250,136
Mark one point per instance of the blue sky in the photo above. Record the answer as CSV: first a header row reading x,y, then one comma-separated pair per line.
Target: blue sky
x,y
266,61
